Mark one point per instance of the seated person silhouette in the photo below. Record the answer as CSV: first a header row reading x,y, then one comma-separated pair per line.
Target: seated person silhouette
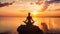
x,y
29,20
29,28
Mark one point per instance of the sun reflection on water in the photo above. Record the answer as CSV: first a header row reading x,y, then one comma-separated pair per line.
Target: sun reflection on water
x,y
35,19
44,23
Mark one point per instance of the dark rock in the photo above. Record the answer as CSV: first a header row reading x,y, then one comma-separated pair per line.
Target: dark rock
x,y
29,29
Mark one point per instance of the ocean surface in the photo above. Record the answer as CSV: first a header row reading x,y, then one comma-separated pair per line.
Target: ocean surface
x,y
10,24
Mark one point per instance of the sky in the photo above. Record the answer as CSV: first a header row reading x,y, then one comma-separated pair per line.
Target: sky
x,y
35,7
39,7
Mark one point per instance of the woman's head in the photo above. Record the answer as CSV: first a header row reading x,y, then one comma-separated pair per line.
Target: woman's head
x,y
29,14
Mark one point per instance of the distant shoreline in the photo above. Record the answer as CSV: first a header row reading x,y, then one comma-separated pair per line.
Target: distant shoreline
x,y
34,16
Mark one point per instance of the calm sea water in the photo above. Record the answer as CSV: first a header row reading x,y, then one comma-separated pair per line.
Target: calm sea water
x,y
10,24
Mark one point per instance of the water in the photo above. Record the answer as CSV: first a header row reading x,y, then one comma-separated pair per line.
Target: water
x,y
10,24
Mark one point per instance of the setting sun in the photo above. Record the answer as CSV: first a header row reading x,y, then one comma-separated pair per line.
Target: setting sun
x,y
34,12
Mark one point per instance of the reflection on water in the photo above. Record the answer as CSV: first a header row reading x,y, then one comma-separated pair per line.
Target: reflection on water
x,y
50,22
11,23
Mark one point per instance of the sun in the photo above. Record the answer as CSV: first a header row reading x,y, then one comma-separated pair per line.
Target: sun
x,y
34,12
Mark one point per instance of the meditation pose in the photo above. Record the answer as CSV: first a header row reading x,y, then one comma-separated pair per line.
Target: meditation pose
x,y
29,20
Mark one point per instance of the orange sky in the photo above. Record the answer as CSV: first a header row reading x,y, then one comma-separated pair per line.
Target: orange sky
x,y
21,9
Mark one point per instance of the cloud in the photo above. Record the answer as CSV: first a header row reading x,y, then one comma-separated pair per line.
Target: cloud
x,y
54,1
6,4
47,3
57,9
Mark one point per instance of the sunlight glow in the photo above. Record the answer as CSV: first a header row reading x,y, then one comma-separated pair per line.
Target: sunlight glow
x,y
35,19
34,12
34,6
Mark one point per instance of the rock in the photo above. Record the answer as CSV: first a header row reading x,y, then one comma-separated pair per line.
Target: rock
x,y
29,29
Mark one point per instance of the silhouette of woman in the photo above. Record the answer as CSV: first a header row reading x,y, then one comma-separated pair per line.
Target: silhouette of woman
x,y
29,19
